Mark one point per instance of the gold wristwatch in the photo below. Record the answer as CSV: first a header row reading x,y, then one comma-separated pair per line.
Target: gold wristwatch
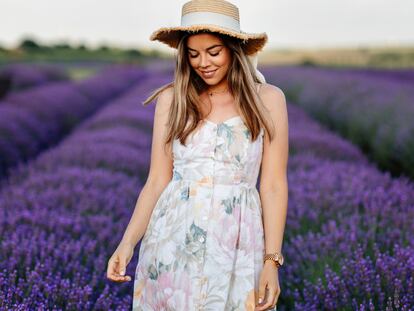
x,y
276,257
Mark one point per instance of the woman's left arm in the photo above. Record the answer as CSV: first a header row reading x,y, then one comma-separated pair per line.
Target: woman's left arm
x,y
273,177
274,188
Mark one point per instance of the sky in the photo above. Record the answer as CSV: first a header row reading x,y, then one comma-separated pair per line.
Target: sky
x,y
288,23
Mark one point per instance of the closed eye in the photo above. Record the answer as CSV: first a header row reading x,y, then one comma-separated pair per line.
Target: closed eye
x,y
212,54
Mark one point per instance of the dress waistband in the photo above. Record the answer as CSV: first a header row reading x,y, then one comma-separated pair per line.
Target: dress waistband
x,y
225,178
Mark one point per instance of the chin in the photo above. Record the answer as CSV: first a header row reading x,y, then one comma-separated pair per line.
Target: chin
x,y
212,82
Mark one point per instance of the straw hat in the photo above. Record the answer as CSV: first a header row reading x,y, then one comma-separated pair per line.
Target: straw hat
x,y
213,15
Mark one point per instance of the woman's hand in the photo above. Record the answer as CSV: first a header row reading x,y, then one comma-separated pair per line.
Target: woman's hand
x,y
269,282
118,262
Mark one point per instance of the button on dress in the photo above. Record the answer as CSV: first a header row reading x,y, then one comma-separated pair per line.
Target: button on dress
x,y
204,244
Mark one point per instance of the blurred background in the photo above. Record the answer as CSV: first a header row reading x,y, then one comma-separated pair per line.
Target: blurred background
x,y
75,145
336,33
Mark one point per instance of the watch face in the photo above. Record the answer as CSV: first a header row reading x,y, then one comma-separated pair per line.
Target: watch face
x,y
279,258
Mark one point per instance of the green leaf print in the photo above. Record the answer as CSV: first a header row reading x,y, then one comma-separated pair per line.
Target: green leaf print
x,y
227,130
196,234
185,193
177,175
152,272
229,204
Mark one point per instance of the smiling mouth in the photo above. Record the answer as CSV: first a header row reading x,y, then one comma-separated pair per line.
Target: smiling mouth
x,y
208,74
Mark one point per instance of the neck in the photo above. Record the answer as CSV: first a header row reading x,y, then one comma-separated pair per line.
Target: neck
x,y
221,86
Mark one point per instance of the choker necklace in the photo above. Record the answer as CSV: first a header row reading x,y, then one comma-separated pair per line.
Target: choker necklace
x,y
211,93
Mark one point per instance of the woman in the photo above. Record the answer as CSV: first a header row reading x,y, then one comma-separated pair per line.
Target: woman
x,y
211,241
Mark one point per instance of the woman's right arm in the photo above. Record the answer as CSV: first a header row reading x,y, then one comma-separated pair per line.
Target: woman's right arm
x,y
160,172
159,175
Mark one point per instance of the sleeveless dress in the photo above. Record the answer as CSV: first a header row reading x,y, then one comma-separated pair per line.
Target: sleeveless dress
x,y
204,244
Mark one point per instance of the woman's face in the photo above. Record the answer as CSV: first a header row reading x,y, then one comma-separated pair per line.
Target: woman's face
x,y
209,57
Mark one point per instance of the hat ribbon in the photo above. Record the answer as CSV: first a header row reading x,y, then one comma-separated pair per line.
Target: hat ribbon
x,y
210,18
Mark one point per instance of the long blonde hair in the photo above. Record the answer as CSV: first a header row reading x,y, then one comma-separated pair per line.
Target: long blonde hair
x,y
188,85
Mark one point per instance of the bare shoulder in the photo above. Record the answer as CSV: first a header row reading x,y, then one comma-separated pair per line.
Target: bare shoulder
x,y
164,101
272,96
167,93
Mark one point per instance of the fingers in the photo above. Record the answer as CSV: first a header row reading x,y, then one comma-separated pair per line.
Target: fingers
x,y
262,293
122,265
277,295
274,302
114,270
270,300
111,266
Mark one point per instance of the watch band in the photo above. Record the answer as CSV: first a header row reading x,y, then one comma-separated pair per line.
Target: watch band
x,y
276,257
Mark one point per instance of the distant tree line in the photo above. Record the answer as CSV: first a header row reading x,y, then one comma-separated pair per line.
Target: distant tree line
x,y
29,44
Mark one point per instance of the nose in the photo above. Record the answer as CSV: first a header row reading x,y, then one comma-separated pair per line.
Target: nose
x,y
203,61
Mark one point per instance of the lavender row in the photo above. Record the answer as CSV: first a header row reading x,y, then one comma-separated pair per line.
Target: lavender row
x,y
36,119
63,218
400,75
17,77
376,114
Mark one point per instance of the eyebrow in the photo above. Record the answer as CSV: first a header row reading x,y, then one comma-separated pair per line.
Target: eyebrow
x,y
211,47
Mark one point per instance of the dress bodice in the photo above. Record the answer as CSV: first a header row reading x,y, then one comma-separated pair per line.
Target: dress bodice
x,y
219,153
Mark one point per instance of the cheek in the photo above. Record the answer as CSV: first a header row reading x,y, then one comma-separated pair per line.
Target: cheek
x,y
192,62
223,60
224,66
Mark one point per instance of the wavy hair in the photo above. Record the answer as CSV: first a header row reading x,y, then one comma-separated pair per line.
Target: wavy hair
x,y
188,85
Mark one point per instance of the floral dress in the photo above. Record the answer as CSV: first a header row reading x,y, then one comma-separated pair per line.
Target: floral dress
x,y
204,244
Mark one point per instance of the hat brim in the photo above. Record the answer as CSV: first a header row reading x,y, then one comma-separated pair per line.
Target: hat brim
x,y
251,42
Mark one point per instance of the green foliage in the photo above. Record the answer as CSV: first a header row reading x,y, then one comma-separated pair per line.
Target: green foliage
x,y
308,62
29,44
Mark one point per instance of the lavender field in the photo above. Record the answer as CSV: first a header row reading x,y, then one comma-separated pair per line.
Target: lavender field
x,y
372,108
349,236
39,117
